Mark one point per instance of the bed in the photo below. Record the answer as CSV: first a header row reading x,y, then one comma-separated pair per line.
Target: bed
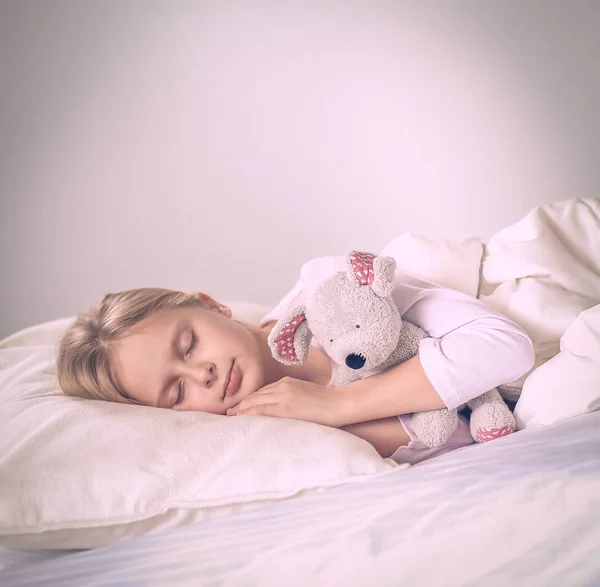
x,y
465,518
319,506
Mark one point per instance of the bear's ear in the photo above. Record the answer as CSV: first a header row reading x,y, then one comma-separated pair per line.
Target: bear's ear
x,y
377,272
290,338
385,276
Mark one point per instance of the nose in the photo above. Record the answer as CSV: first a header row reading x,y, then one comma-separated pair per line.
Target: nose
x,y
355,361
203,374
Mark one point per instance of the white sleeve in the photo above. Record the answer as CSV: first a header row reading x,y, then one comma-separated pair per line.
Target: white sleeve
x,y
471,349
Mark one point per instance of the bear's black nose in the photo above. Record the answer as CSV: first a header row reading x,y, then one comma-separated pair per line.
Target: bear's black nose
x,y
355,361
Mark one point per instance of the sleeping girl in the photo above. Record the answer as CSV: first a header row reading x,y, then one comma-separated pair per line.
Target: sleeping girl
x,y
184,351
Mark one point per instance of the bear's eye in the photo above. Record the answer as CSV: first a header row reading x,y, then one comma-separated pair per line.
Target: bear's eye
x,y
358,326
331,340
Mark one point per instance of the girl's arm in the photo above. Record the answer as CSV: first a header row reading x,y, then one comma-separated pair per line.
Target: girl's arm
x,y
483,351
403,389
386,435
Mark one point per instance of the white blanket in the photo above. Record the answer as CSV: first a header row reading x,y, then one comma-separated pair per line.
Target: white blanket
x,y
543,272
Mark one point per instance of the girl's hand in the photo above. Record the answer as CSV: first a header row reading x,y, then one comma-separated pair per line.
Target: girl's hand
x,y
297,399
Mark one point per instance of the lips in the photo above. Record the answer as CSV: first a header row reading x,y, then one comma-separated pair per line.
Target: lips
x,y
232,381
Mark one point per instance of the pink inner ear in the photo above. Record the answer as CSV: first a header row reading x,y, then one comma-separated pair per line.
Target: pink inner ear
x,y
362,264
284,341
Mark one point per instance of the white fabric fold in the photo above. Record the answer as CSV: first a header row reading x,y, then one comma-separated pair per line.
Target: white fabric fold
x,y
450,262
568,384
544,270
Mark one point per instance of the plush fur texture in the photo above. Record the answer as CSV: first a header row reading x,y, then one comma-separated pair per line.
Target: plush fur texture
x,y
354,318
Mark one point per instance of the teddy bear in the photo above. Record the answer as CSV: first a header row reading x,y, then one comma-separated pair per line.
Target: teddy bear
x,y
356,322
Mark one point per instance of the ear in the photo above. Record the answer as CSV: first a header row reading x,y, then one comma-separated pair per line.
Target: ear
x,y
368,269
211,304
290,338
385,276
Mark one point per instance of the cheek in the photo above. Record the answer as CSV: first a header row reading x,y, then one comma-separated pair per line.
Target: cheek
x,y
252,363
242,341
238,342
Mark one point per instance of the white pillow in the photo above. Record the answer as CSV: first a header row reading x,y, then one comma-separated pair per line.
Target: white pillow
x,y
567,385
77,473
448,261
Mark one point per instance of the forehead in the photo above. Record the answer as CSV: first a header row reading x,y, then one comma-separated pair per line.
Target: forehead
x,y
161,323
160,319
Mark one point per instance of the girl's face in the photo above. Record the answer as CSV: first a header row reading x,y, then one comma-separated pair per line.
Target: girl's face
x,y
189,358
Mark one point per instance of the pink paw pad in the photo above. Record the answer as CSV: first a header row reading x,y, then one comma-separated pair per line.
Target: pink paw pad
x,y
487,434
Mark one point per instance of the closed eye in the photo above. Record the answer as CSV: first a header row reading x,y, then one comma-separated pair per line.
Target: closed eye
x,y
192,345
180,387
180,394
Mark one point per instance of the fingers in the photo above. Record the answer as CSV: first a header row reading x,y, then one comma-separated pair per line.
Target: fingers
x,y
262,396
260,410
257,402
252,401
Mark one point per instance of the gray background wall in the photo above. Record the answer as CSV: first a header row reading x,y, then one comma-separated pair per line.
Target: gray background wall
x,y
218,145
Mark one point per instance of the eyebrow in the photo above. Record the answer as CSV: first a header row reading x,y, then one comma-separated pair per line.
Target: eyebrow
x,y
173,348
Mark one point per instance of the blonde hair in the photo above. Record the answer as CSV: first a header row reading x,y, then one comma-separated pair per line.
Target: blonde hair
x,y
83,360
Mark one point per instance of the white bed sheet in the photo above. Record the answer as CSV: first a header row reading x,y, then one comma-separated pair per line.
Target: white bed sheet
x,y
521,510
10,558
